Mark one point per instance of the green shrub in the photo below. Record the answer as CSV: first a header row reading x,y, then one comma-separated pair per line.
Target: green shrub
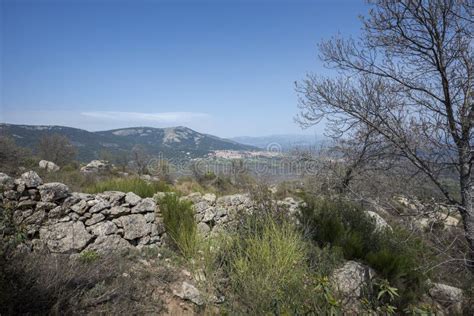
x,y
136,185
88,256
394,254
180,225
266,263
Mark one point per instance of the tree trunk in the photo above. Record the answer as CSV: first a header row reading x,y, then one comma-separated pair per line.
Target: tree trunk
x,y
467,208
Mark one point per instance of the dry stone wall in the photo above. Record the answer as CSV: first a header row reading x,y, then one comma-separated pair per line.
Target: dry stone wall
x,y
65,222
61,221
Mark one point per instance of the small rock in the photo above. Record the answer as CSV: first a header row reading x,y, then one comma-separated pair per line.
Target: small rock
x,y
31,179
6,182
448,296
203,228
380,223
134,226
101,205
103,228
190,292
53,191
145,205
132,199
95,219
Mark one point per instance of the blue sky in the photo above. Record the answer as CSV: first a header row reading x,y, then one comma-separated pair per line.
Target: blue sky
x,y
222,67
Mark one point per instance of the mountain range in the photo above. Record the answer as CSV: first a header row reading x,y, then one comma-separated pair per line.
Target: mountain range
x,y
174,142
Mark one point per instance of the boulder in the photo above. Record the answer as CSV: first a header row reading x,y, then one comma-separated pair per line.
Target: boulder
x,y
380,223
65,237
6,182
53,191
31,179
189,292
49,166
450,297
349,281
134,226
96,166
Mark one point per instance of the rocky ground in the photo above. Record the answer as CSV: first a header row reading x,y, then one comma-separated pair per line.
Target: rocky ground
x,y
72,227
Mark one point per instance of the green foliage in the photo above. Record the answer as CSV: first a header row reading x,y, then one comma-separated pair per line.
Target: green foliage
x,y
178,218
394,254
88,256
136,185
381,299
266,263
12,156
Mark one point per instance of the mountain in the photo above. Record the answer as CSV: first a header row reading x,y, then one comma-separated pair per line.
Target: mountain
x,y
174,142
284,142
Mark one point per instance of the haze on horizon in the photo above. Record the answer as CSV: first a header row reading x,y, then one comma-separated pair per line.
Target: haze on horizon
x,y
224,68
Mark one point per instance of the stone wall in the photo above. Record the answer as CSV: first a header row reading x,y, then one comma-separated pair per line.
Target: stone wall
x,y
71,222
66,222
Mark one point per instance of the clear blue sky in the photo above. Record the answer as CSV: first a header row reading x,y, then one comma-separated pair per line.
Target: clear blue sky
x,y
221,67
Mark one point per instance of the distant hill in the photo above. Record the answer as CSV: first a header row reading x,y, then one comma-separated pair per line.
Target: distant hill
x,y
174,142
285,141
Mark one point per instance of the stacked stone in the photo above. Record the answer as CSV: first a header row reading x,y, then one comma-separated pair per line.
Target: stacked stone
x,y
65,222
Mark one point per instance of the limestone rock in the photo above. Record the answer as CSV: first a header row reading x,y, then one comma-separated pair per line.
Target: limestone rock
x,y
134,226
65,237
46,206
203,228
53,191
190,292
103,228
449,297
81,207
6,182
101,205
96,166
113,197
116,211
95,219
48,166
109,243
349,281
209,198
380,223
31,179
145,205
132,199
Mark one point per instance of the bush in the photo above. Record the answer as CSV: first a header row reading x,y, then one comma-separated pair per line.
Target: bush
x,y
266,263
178,218
136,185
394,254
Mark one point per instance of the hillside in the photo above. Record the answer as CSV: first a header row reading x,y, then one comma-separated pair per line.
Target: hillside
x,y
170,142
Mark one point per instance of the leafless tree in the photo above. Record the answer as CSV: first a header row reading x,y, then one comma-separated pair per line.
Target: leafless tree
x,y
140,157
409,78
56,148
